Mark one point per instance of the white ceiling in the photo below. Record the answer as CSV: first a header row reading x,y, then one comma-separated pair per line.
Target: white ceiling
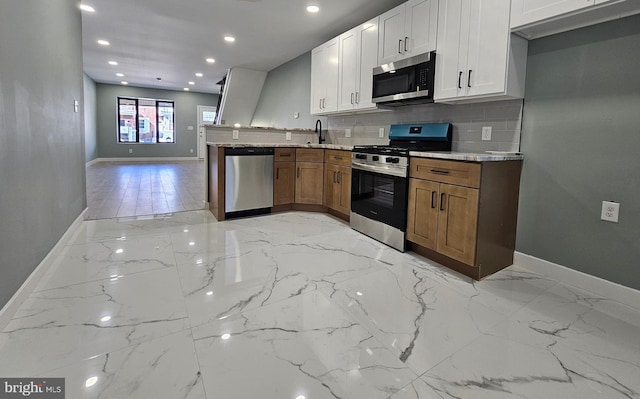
x,y
171,39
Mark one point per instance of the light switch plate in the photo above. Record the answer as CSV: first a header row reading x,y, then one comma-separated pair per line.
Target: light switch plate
x,y
287,136
381,132
347,132
486,133
236,134
189,127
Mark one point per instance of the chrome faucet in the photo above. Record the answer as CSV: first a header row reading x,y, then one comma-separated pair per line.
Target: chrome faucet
x,y
319,131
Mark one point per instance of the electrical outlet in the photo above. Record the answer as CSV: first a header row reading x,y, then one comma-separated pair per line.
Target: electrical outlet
x,y
287,136
130,150
236,134
486,133
296,115
347,132
610,211
189,127
381,132
191,150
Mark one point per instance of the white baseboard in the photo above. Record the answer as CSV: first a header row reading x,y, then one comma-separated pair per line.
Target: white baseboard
x,y
11,307
565,275
143,159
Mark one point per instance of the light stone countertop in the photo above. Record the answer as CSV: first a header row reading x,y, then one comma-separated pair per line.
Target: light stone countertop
x,y
447,155
284,145
259,128
470,156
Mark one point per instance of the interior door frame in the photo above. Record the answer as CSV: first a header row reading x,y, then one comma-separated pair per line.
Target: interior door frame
x,y
202,134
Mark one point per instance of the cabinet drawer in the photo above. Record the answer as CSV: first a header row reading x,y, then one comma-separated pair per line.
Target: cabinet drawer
x,y
337,157
452,172
309,155
285,154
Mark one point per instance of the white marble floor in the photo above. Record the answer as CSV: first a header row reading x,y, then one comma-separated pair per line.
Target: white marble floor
x,y
299,305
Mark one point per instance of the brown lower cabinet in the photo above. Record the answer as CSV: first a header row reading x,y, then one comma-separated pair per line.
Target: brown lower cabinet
x,y
284,176
463,214
337,181
309,185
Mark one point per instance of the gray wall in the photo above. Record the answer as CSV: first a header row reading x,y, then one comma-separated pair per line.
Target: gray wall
x,y
185,115
286,90
581,139
90,115
42,163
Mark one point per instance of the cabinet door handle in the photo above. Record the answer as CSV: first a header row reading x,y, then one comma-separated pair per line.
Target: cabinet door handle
x,y
339,177
352,98
400,46
357,97
298,172
277,173
338,158
469,79
433,199
406,39
440,172
442,197
459,80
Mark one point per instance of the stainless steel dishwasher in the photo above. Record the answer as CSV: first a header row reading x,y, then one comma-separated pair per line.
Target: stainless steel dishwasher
x,y
248,181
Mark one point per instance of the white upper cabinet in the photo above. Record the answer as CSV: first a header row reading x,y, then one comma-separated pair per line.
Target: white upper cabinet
x,y
524,12
358,57
477,57
324,78
408,29
538,18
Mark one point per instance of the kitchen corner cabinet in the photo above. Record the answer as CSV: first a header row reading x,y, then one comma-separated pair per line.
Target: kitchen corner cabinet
x,y
309,185
463,214
407,30
337,181
357,57
324,78
524,12
477,56
284,176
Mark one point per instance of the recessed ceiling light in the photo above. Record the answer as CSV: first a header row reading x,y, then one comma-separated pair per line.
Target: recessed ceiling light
x,y
199,74
103,42
87,8
192,83
113,63
229,39
119,74
210,60
124,83
187,89
313,9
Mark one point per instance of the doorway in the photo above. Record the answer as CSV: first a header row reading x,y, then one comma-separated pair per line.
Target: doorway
x,y
206,116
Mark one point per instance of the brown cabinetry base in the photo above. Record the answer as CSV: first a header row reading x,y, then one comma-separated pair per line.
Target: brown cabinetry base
x,y
469,271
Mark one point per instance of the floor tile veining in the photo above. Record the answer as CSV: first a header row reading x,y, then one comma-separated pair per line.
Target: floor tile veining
x,y
298,304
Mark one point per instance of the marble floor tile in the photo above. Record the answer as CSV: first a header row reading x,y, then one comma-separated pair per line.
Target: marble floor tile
x,y
298,304
414,314
91,261
60,326
166,367
300,346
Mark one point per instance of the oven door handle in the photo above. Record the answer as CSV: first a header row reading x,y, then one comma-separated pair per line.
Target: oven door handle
x,y
368,168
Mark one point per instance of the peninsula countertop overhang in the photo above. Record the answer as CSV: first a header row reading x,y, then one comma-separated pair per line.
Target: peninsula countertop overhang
x,y
448,155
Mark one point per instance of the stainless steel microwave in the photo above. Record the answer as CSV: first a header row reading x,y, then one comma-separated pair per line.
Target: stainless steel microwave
x,y
406,81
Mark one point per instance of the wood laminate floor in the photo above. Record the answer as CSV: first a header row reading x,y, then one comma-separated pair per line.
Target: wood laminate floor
x,y
123,189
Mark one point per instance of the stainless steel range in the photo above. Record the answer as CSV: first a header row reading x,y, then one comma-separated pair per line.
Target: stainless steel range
x,y
380,176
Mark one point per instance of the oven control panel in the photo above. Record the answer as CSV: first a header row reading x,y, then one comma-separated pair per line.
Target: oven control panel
x,y
383,164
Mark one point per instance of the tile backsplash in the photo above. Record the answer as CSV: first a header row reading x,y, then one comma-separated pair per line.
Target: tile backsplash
x,y
504,117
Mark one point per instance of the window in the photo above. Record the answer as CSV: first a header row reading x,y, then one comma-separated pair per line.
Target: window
x,y
144,120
